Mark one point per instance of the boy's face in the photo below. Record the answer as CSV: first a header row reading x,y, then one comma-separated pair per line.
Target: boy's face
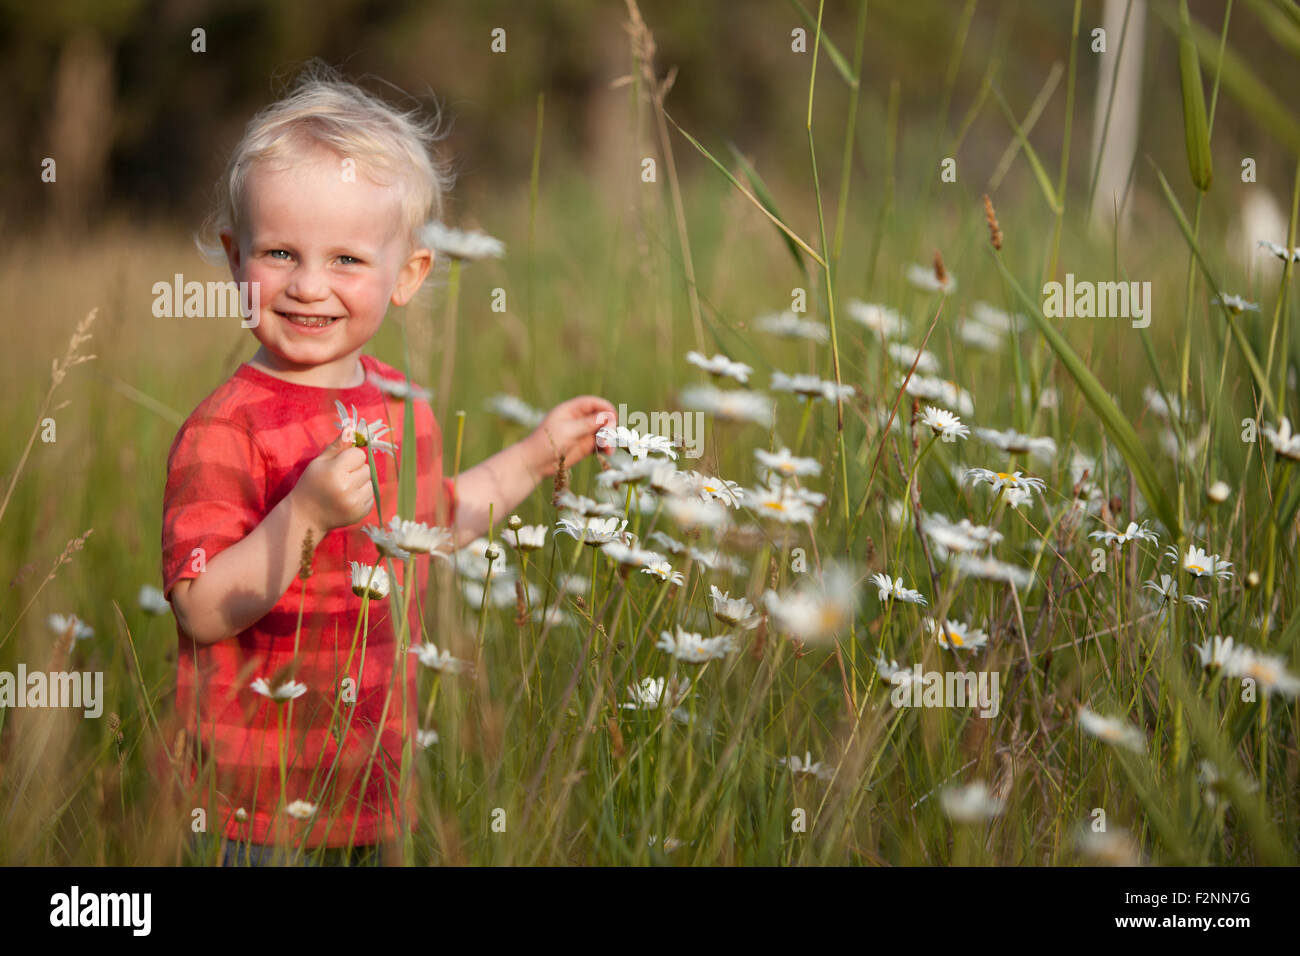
x,y
329,255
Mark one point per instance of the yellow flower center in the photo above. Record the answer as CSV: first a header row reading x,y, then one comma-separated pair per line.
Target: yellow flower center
x,y
774,505
1195,568
955,639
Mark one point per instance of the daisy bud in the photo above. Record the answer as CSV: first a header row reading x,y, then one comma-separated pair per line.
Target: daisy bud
x,y
1252,580
241,815
515,523
491,554
1218,492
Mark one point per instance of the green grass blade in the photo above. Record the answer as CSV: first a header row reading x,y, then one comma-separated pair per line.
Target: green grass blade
x,y
765,197
1115,423
841,64
1196,131
1243,85
748,195
1256,370
1039,172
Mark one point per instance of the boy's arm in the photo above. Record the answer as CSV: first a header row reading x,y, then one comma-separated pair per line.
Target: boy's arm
x,y
244,581
502,481
509,476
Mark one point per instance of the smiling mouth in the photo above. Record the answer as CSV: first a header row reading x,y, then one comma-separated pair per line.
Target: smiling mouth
x,y
309,321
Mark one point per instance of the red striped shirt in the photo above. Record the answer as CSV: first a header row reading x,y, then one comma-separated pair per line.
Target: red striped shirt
x,y
240,452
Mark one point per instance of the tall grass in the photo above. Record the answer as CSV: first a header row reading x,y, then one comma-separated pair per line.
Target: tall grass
x,y
538,760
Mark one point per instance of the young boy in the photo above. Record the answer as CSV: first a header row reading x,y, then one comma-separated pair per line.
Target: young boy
x,y
324,202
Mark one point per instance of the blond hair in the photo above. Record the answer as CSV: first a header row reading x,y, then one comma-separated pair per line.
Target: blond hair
x,y
389,146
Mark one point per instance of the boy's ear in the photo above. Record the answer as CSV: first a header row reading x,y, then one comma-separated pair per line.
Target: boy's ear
x,y
412,274
231,246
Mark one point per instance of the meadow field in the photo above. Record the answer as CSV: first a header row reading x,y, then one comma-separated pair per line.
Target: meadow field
x,y
1019,583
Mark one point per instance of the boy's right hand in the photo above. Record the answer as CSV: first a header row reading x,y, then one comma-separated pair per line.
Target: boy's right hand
x,y
335,490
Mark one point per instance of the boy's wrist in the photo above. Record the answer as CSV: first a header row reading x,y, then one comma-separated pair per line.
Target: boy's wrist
x,y
303,519
539,457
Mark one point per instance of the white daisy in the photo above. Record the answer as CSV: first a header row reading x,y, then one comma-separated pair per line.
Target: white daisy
x,y
61,624
464,245
1111,731
529,537
806,767
638,445
1015,443
398,388
994,570
735,612
956,635
973,803
426,738
721,365
893,588
997,319
1281,251
1214,655
440,661
941,392
652,693
370,579
152,600
1235,304
788,325
736,405
1218,492
889,671
784,463
904,355
362,433
820,609
300,810
693,648
1201,564
1268,670
419,538
779,502
1133,532
878,318
1284,442
923,277
980,336
1007,483
697,512
587,507
285,690
810,386
595,532
388,542
664,572
1168,589
1218,786
944,423
514,409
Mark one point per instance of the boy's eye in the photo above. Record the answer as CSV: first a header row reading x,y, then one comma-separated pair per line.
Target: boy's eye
x,y
349,260
277,253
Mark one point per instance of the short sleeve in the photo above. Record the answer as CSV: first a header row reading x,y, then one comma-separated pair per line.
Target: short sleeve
x,y
215,495
449,500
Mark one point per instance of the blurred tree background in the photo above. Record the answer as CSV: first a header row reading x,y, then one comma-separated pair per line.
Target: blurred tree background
x,y
140,123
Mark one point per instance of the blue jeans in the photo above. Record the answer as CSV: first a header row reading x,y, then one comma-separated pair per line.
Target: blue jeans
x,y
255,854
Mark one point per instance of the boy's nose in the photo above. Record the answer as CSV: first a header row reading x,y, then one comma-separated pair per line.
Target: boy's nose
x,y
307,285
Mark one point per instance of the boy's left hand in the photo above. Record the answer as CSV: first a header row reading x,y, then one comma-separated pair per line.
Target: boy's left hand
x,y
569,429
